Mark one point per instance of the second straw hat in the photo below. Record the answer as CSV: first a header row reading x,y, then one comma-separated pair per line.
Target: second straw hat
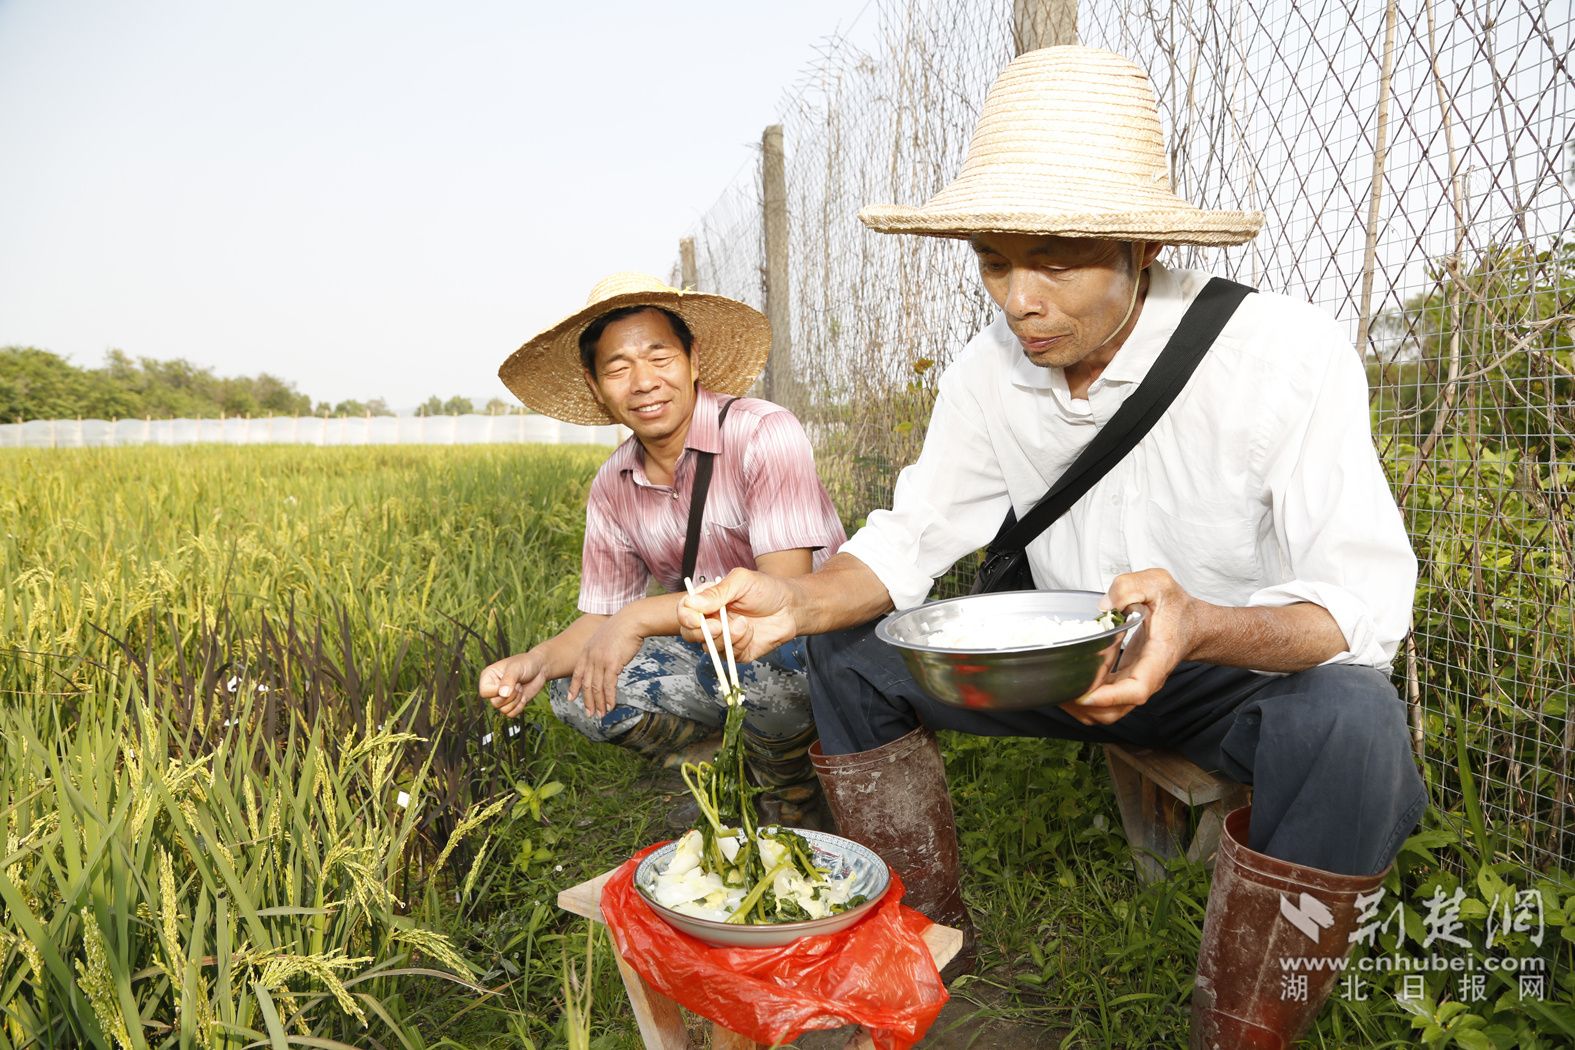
x,y
732,341
1068,144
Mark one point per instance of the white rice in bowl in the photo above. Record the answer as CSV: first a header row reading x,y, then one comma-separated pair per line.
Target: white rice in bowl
x,y
981,633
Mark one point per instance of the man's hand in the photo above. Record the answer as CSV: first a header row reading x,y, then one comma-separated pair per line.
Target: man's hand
x,y
601,662
759,613
509,684
1163,641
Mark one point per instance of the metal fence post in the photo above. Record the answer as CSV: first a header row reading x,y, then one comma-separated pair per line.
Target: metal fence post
x,y
773,175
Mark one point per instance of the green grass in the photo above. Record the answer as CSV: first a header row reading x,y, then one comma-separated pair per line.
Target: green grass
x,y
197,883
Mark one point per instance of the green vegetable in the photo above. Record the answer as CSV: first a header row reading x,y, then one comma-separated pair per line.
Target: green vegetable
x,y
727,810
726,801
749,903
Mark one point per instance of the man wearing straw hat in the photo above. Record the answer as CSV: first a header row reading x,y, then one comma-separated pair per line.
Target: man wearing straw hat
x,y
1250,517
709,481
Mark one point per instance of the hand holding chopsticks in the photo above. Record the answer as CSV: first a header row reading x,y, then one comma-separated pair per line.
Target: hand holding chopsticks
x,y
726,679
753,610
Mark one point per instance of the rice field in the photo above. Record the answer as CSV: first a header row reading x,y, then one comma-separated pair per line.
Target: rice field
x,y
247,793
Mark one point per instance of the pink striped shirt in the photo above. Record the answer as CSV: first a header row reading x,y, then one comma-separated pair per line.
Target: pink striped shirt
x,y
764,497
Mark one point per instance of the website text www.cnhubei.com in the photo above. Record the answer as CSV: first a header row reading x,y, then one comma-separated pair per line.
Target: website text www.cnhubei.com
x,y
1415,964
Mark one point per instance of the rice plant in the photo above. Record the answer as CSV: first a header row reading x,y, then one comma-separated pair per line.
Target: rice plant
x,y
244,781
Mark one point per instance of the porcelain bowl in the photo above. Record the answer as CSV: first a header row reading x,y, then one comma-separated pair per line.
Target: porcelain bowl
x,y
833,852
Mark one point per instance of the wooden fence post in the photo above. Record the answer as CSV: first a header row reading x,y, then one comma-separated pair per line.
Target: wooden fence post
x,y
1043,23
688,279
773,172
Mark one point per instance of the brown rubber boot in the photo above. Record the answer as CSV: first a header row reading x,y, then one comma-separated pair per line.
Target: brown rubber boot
x,y
668,741
1262,911
893,799
790,793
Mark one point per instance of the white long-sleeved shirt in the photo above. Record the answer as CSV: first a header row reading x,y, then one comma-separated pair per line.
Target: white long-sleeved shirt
x,y
1259,486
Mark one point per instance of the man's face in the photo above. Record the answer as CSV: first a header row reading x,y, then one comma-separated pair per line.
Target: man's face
x,y
644,378
1064,297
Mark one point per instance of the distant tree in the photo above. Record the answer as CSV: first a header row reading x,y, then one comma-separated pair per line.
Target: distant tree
x,y
432,406
378,407
350,408
276,397
36,384
236,398
499,407
32,380
178,389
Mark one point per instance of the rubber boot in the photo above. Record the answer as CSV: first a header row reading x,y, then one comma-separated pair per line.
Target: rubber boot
x,y
893,799
1261,911
667,741
790,794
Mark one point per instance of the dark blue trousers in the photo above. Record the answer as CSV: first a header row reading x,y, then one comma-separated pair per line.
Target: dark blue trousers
x,y
1327,752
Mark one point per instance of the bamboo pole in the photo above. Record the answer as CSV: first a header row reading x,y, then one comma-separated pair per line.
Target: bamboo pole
x,y
689,279
773,171
1043,23
1446,409
1375,198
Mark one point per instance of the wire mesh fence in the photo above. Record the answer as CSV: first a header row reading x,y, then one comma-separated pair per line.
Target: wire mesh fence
x,y
1416,164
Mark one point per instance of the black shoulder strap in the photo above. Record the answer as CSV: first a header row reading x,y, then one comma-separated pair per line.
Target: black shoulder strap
x,y
1204,320
702,484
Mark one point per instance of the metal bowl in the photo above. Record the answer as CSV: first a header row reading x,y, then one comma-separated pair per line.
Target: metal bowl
x,y
840,855
1006,679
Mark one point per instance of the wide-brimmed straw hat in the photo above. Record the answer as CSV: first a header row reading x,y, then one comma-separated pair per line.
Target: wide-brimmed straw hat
x,y
1068,144
732,341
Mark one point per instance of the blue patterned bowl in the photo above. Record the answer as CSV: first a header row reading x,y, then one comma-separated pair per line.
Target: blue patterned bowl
x,y
839,855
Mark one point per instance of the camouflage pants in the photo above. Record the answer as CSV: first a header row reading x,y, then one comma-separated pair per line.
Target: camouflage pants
x,y
672,675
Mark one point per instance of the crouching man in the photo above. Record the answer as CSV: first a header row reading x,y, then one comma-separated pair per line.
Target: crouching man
x,y
708,482
1252,521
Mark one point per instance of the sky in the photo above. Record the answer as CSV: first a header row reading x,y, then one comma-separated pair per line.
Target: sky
x,y
365,199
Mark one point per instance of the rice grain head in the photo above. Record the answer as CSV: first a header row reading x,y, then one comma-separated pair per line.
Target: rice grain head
x,y
97,983
169,919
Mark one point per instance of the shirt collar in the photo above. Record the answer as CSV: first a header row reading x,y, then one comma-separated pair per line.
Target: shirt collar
x,y
704,433
1020,370
1161,313
704,436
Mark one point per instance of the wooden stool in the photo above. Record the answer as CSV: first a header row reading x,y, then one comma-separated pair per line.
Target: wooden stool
x,y
661,1023
1155,789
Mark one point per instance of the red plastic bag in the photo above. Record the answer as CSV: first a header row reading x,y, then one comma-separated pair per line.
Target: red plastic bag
x,y
878,973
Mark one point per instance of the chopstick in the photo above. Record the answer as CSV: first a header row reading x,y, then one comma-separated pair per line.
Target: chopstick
x,y
724,680
727,643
